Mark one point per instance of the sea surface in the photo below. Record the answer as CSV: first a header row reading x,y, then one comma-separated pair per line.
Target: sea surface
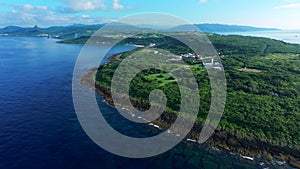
x,y
39,128
290,36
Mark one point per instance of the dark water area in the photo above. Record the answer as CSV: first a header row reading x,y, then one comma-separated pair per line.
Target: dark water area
x,y
39,128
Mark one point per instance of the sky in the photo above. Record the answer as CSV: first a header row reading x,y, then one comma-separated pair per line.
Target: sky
x,y
283,14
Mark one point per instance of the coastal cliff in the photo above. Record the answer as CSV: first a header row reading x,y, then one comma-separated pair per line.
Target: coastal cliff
x,y
261,114
232,142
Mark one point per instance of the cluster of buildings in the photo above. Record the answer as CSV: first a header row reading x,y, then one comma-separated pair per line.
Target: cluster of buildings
x,y
43,35
207,61
190,55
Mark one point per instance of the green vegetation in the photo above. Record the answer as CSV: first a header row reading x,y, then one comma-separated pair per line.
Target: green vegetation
x,y
262,105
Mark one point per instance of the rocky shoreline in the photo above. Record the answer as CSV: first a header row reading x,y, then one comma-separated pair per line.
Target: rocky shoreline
x,y
247,148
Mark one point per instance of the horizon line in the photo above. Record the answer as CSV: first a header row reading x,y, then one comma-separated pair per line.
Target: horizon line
x,y
84,24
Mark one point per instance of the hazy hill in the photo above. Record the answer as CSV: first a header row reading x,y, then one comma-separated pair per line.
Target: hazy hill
x,y
79,30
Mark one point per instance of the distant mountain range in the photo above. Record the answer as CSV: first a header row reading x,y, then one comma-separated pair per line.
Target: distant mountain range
x,y
73,31
62,32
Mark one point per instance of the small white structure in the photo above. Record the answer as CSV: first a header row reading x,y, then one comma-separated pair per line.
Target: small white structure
x,y
209,64
152,45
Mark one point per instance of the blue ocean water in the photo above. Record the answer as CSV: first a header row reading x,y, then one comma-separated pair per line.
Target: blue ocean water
x,y
290,36
39,128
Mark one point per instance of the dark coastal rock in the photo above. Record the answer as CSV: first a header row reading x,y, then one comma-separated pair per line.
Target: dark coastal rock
x,y
246,145
233,143
280,158
294,162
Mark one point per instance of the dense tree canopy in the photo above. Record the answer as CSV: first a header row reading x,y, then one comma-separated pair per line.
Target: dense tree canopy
x,y
263,98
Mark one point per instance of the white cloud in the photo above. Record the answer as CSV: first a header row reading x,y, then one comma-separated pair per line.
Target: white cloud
x,y
24,7
29,15
85,16
42,7
82,5
28,7
203,1
288,6
42,16
117,5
